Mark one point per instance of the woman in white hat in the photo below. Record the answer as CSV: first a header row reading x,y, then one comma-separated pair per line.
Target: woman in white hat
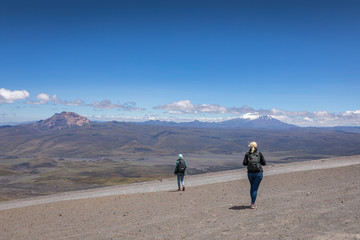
x,y
180,171
253,160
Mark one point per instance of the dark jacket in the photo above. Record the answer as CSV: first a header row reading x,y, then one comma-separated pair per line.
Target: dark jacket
x,y
176,167
262,160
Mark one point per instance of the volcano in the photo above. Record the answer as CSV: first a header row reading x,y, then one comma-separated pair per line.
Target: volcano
x,y
62,120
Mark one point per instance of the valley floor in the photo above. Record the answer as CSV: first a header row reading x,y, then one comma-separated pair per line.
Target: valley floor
x,y
296,201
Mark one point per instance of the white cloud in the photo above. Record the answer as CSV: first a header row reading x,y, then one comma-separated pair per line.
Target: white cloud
x,y
240,110
183,106
148,117
321,114
131,106
304,119
185,110
44,98
319,118
351,114
77,102
215,109
8,96
107,104
308,119
186,107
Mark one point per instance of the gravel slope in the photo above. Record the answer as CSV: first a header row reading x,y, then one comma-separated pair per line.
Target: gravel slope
x,y
306,200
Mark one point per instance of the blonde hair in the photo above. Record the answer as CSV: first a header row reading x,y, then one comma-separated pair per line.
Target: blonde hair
x,y
253,145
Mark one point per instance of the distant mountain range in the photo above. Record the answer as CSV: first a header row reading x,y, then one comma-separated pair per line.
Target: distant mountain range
x,y
70,119
67,120
262,122
71,135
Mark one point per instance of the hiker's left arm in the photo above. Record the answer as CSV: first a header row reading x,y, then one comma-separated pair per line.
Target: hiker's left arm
x,y
262,159
176,167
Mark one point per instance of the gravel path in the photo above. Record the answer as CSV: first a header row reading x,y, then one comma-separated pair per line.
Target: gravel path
x,y
191,181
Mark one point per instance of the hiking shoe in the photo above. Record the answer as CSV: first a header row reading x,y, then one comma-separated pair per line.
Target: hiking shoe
x,y
183,188
179,189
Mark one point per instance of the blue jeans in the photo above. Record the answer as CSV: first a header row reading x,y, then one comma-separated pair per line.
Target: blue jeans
x,y
180,178
254,179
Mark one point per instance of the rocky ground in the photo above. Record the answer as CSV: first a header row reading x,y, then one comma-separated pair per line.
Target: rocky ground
x,y
314,204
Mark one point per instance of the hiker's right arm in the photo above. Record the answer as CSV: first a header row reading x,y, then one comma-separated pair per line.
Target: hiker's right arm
x,y
176,167
246,161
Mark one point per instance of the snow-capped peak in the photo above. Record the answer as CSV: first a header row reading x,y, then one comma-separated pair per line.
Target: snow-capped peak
x,y
254,116
250,116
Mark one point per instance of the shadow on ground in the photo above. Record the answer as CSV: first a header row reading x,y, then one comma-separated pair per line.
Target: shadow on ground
x,y
175,191
243,207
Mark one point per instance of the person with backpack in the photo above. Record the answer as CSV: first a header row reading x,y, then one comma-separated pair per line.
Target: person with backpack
x,y
253,160
180,171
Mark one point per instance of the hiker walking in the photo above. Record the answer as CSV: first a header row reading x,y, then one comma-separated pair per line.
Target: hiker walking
x,y
180,171
253,160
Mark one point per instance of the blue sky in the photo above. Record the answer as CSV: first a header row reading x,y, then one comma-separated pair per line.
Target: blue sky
x,y
209,60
